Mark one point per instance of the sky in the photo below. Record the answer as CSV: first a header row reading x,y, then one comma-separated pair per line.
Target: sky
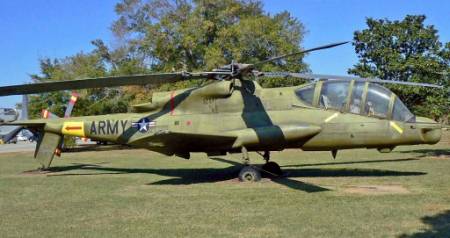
x,y
30,30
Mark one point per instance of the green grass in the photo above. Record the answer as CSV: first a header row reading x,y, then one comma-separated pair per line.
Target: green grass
x,y
136,193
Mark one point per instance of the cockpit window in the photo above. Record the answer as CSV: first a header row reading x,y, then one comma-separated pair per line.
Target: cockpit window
x,y
306,94
377,103
334,95
356,101
401,112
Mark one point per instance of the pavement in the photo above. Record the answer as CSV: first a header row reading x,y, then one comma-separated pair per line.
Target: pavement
x,y
19,147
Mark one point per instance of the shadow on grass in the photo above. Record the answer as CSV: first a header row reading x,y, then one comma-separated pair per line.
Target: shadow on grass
x,y
95,147
347,173
284,180
299,185
211,175
351,162
439,226
428,152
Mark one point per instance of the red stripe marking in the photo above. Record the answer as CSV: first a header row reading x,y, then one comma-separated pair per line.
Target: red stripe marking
x,y
172,103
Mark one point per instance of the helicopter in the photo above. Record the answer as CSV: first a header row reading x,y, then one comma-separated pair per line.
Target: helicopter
x,y
232,113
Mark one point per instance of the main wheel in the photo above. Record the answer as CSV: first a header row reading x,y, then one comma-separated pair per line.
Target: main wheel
x,y
272,168
249,174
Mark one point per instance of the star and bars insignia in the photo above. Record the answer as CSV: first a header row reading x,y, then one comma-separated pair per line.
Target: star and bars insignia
x,y
143,125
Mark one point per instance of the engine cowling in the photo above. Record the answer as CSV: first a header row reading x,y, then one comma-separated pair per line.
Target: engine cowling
x,y
218,89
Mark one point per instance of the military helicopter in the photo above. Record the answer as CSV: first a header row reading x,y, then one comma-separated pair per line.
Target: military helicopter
x,y
232,113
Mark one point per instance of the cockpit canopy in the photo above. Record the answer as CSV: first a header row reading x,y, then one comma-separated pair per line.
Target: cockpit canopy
x,y
357,97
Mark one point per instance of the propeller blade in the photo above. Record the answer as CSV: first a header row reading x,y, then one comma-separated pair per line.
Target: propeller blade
x,y
316,77
301,52
100,82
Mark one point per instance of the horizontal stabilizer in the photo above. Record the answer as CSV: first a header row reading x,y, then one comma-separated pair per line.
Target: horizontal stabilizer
x,y
25,123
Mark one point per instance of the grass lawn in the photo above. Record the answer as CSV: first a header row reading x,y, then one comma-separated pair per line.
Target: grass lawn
x,y
137,193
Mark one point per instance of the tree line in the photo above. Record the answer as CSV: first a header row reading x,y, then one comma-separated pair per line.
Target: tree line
x,y
198,35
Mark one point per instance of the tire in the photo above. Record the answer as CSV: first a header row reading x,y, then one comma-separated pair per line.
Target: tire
x,y
249,174
272,169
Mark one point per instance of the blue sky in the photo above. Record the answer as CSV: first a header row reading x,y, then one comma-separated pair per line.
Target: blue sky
x,y
30,30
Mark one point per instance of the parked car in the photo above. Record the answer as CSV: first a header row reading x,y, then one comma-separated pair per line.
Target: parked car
x,y
22,138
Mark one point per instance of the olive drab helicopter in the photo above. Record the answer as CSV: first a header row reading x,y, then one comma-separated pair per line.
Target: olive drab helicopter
x,y
232,113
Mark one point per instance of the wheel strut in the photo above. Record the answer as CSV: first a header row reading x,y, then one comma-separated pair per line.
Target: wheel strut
x,y
266,156
245,157
271,168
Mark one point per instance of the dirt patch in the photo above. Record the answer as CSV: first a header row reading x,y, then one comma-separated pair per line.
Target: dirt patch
x,y
435,207
440,157
377,189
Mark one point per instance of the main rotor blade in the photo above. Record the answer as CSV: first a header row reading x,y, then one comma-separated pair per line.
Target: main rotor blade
x,y
98,83
317,77
301,52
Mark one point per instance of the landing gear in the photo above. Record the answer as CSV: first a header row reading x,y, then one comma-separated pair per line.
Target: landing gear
x,y
252,174
249,174
272,168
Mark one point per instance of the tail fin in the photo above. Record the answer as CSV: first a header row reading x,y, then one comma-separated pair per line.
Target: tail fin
x,y
46,148
53,145
48,141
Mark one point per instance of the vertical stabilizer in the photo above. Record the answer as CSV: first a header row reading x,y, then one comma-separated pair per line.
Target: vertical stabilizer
x,y
46,148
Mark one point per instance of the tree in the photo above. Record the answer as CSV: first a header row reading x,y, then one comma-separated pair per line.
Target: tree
x,y
173,35
204,34
406,50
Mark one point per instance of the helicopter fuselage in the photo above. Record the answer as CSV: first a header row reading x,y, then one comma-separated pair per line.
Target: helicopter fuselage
x,y
228,115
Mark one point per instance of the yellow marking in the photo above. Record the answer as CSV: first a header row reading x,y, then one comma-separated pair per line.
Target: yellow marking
x,y
73,98
396,127
73,128
331,117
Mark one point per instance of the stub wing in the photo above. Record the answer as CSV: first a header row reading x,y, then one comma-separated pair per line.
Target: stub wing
x,y
274,137
173,142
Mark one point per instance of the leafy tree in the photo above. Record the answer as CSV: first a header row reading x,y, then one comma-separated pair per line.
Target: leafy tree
x,y
173,35
204,34
406,50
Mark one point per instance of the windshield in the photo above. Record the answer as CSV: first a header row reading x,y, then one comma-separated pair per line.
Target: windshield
x,y
334,94
401,112
306,94
356,100
377,103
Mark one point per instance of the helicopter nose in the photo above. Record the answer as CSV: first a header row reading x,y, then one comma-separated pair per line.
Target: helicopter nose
x,y
432,136
430,130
